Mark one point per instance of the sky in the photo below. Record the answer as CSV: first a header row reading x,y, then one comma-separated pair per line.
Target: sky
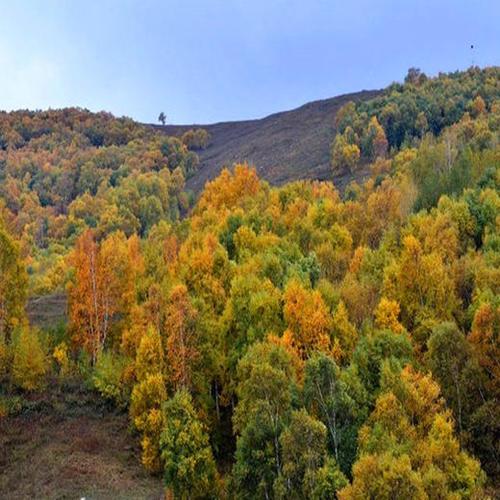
x,y
204,61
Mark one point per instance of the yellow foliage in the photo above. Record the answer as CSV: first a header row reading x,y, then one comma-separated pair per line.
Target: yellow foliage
x,y
61,357
386,315
28,363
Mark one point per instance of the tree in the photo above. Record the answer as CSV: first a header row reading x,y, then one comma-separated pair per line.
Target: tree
x,y
146,401
407,447
102,289
376,349
344,334
266,379
338,399
149,357
328,480
450,359
415,76
189,468
29,363
182,349
421,285
386,315
252,311
303,445
307,318
344,156
147,397
374,142
13,284
484,338
162,118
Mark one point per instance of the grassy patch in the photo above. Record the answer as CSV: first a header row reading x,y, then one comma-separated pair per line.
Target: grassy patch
x,y
70,444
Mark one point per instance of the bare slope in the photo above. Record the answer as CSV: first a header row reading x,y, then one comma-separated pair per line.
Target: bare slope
x,y
284,146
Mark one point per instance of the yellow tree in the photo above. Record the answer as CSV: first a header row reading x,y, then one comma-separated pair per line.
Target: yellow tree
x,y
407,448
421,284
28,363
181,337
344,334
13,283
148,395
387,314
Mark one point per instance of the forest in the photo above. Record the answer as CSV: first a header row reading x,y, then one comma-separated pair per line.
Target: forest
x,y
270,342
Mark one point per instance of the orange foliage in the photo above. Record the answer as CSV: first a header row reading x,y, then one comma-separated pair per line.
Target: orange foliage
x,y
307,317
181,341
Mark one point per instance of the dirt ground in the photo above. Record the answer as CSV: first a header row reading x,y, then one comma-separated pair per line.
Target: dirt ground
x,y
60,449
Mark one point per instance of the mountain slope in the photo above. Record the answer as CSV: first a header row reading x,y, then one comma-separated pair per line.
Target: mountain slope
x,y
283,147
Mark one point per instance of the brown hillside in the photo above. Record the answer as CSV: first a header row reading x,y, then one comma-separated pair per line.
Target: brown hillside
x,y
284,146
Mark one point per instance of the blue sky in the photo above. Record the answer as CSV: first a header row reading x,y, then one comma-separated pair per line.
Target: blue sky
x,y
215,60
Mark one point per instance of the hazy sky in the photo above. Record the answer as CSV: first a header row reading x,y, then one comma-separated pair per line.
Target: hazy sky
x,y
213,60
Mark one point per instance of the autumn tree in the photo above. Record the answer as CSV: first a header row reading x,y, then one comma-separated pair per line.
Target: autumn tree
x,y
374,143
102,289
181,346
252,311
421,284
387,314
344,334
29,365
408,448
148,395
13,284
344,156
484,340
307,318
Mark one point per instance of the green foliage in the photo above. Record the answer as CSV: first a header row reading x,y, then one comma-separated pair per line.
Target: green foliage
x,y
189,467
265,393
303,445
108,377
339,400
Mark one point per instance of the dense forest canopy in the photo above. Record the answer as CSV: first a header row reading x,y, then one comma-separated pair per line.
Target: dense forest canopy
x,y
274,342
64,171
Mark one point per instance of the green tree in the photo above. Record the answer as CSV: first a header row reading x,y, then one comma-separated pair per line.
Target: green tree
x,y
451,361
303,445
189,467
266,379
338,399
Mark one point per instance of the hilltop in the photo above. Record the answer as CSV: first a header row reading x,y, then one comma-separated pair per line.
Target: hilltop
x,y
283,146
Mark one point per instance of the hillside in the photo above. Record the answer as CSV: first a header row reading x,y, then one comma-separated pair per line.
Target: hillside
x,y
284,146
255,341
